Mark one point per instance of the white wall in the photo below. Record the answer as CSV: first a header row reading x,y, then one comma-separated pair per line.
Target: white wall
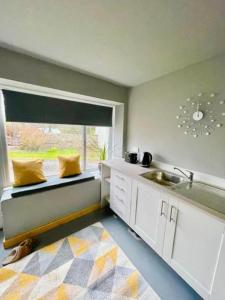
x,y
152,123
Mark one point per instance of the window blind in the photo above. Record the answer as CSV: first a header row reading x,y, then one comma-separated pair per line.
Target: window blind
x,y
29,108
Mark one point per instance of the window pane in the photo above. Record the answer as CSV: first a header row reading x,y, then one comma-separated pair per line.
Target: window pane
x,y
97,140
44,141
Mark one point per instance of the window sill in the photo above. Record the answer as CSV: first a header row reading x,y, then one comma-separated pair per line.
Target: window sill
x,y
52,183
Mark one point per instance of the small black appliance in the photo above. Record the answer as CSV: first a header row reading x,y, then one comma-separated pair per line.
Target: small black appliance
x,y
131,157
147,159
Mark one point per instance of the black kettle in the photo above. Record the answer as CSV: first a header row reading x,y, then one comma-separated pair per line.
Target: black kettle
x,y
147,159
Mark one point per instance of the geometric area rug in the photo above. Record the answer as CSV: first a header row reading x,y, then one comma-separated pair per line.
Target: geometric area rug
x,y
85,265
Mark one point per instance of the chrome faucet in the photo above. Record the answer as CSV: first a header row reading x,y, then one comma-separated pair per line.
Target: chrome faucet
x,y
191,174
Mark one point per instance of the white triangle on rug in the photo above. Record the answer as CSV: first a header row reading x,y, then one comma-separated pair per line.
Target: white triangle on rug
x,y
123,261
120,297
7,283
21,264
75,291
98,224
50,281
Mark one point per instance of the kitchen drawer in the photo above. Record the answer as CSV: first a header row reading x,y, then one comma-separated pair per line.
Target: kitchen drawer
x,y
119,191
119,200
120,180
120,195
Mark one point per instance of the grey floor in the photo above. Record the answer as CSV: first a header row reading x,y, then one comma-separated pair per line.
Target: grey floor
x,y
166,283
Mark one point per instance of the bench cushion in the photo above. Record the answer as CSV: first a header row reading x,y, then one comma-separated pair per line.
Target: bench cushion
x,y
52,183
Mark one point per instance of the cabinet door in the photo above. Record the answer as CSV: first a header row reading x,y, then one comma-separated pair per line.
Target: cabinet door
x,y
192,245
148,216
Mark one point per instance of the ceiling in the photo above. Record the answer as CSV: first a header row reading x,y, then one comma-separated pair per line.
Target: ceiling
x,y
125,41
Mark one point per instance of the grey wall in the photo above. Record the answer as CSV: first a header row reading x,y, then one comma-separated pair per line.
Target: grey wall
x,y
152,123
24,68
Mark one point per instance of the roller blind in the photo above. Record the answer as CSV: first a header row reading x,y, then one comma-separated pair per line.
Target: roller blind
x,y
29,108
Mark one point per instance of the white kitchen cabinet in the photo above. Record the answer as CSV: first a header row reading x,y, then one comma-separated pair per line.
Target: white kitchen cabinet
x,y
192,245
190,239
218,289
120,195
148,215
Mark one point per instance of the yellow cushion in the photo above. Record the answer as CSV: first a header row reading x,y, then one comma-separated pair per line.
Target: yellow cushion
x,y
28,172
69,165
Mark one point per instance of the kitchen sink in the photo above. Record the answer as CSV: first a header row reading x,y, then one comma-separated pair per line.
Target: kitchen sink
x,y
164,178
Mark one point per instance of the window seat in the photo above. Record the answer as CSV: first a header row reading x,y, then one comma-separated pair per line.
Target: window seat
x,y
52,183
29,211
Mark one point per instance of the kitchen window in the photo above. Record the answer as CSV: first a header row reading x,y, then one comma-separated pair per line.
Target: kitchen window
x,y
47,141
61,124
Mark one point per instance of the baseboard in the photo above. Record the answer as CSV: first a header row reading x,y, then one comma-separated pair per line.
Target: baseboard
x,y
8,243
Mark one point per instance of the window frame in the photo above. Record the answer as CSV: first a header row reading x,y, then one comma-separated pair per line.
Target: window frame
x,y
4,159
84,147
109,150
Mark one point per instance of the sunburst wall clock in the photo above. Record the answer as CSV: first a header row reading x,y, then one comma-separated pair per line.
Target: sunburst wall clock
x,y
201,115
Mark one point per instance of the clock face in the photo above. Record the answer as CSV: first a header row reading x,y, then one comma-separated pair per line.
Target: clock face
x,y
198,115
201,114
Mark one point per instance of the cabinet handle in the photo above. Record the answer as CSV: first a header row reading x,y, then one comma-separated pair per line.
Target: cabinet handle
x,y
119,188
173,208
118,198
162,213
119,177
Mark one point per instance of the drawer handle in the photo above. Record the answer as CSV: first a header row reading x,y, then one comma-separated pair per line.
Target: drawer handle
x,y
120,189
162,212
172,219
118,198
120,177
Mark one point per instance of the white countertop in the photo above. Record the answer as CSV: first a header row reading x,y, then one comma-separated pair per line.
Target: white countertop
x,y
126,168
197,196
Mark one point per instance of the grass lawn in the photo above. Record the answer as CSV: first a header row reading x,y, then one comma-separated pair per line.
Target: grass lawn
x,y
51,154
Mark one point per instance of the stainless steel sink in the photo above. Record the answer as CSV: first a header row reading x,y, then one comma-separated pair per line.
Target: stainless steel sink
x,y
164,178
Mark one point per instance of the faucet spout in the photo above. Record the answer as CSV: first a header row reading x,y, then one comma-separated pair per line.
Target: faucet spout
x,y
190,176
